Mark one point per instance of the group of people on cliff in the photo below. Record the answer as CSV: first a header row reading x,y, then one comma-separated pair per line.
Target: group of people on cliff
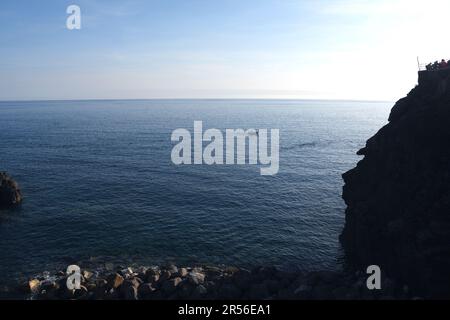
x,y
438,65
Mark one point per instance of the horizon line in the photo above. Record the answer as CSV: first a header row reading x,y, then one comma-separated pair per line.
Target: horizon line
x,y
198,99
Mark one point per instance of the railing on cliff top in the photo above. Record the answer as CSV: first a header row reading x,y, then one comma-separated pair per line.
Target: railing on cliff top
x,y
422,67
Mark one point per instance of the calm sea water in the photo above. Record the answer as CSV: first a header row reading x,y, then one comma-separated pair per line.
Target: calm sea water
x,y
98,181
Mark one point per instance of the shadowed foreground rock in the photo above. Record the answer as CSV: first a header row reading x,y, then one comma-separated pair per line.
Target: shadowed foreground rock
x,y
398,196
10,194
210,283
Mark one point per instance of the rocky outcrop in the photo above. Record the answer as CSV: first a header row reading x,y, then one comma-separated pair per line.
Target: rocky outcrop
x,y
398,196
10,194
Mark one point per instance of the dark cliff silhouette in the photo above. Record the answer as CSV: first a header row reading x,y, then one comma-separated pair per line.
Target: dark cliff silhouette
x,y
398,196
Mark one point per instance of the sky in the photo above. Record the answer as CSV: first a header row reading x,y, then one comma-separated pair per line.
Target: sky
x,y
219,49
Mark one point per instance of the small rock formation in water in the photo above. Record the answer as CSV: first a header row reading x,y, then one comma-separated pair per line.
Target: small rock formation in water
x,y
398,196
10,194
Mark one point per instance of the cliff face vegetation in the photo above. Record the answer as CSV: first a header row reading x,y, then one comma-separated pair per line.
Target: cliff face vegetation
x,y
9,191
398,196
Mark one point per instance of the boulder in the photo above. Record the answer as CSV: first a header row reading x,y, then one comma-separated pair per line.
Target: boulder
x,y
169,286
146,290
182,272
115,280
196,277
87,274
34,285
130,293
165,275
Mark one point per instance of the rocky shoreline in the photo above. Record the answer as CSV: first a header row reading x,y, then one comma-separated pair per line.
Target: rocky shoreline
x,y
209,283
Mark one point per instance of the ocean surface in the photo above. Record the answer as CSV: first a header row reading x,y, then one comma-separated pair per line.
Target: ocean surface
x,y
98,181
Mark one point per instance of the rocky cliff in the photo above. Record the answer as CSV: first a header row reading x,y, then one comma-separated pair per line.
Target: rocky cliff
x,y
9,191
398,196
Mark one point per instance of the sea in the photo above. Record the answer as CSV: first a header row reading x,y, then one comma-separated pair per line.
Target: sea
x,y
99,184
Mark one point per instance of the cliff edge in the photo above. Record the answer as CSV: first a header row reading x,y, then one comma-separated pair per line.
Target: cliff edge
x,y
398,196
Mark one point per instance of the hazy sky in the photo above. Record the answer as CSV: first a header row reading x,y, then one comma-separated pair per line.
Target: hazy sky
x,y
135,49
